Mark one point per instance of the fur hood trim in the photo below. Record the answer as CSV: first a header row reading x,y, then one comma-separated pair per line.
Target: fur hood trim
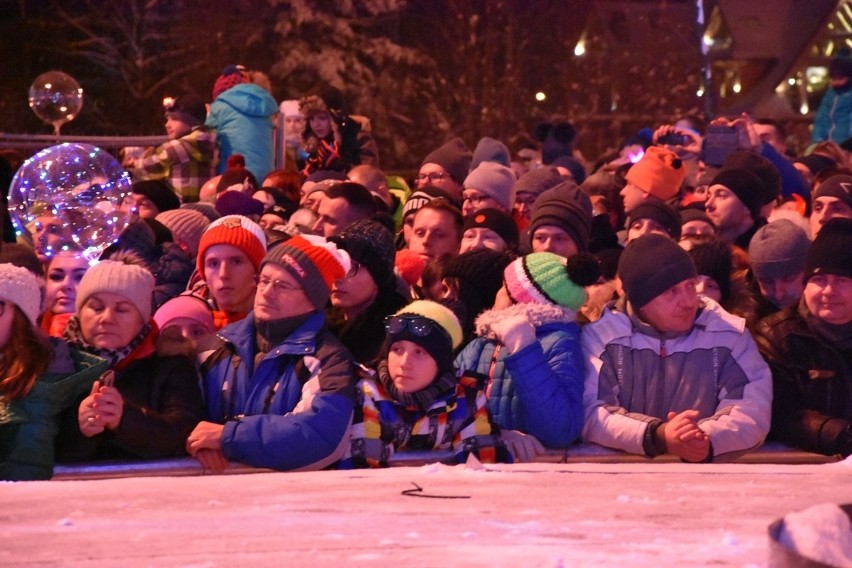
x,y
536,314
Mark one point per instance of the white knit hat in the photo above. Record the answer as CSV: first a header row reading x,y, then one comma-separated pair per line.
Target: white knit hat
x,y
132,281
20,287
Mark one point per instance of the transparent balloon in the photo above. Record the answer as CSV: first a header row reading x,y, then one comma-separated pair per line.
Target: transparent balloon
x,y
56,98
71,197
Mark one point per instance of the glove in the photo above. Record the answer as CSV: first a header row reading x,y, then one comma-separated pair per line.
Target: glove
x,y
523,447
515,332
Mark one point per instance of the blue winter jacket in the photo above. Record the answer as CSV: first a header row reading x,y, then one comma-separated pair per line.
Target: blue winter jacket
x,y
242,117
539,389
290,410
833,120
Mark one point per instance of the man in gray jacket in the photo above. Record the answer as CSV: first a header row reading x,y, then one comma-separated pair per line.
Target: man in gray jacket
x,y
669,371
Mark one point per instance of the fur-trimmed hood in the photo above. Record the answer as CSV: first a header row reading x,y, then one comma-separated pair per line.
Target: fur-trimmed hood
x,y
536,314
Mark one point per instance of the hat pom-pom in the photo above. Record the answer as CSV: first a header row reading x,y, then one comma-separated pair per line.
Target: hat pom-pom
x,y
236,161
583,269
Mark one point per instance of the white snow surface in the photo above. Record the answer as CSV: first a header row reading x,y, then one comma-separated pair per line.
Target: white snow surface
x,y
551,515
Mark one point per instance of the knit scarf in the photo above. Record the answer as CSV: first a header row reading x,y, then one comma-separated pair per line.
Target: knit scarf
x,y
74,337
839,336
422,399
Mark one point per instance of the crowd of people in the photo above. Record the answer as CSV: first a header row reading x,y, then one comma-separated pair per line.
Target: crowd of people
x,y
688,293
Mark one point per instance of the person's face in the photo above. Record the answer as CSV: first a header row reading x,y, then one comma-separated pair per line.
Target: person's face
x,y
356,291
334,216
674,310
632,195
188,328
279,295
46,232
826,208
176,128
63,277
550,238
433,235
725,209
433,174
709,287
769,135
645,226
321,124
473,200
829,298
411,367
524,203
230,276
783,292
109,320
293,126
271,220
145,207
313,200
7,313
696,227
481,238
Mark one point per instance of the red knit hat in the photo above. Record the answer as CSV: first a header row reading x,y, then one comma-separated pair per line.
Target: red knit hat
x,y
314,262
234,230
660,172
231,76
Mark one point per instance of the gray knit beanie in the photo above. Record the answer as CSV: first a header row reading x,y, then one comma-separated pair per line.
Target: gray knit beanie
x,y
132,281
494,180
20,287
778,250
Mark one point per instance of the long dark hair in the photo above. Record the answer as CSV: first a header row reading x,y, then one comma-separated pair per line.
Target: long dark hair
x,y
24,358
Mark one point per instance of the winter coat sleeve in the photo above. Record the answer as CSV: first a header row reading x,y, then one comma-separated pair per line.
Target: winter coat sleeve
x,y
310,437
743,413
549,386
607,423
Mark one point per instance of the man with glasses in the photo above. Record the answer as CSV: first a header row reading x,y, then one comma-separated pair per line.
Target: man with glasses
x,y
809,350
280,388
446,168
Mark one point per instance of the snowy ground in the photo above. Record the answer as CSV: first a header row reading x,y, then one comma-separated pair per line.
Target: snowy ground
x,y
519,515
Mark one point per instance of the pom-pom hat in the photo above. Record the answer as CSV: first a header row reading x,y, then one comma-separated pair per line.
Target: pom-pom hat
x,y
314,262
237,231
547,278
129,280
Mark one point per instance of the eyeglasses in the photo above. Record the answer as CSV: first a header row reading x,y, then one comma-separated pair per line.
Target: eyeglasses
x,y
527,199
418,325
432,176
277,285
353,269
476,199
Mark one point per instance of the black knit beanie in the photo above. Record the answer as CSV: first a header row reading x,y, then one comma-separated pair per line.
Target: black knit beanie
x,y
831,251
660,212
565,206
498,221
370,244
650,265
159,192
454,156
713,258
745,185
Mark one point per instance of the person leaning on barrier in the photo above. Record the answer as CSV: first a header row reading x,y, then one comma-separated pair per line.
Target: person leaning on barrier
x,y
280,388
669,371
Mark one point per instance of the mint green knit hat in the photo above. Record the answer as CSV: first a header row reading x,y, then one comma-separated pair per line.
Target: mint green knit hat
x,y
547,278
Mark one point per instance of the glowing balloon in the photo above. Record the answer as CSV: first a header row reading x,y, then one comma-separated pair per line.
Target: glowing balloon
x,y
56,98
71,197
